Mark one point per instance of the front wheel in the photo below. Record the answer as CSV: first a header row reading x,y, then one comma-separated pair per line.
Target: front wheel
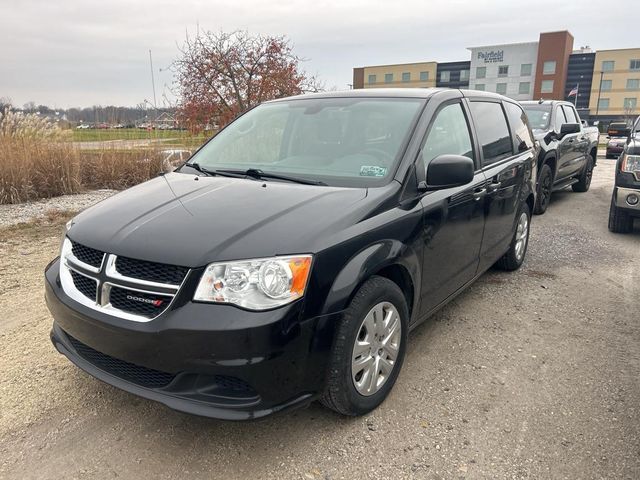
x,y
545,187
584,181
368,349
619,220
513,259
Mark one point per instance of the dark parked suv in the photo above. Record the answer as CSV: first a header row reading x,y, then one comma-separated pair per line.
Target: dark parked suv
x,y
625,200
288,260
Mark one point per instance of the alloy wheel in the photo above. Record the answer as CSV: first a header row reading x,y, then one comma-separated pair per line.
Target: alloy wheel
x,y
522,234
376,348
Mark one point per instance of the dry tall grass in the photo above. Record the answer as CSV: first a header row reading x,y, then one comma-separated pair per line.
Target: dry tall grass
x,y
37,160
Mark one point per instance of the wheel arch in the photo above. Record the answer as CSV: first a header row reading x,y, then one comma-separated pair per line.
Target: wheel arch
x,y
549,159
390,259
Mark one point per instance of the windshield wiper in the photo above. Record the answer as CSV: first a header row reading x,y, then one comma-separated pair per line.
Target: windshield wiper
x,y
212,173
260,175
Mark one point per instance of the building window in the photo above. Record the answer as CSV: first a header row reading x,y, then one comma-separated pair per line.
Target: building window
x,y
481,72
630,104
480,86
372,79
608,65
546,86
444,76
406,76
464,75
549,68
524,88
605,86
525,70
503,70
388,78
634,64
633,83
424,76
603,104
501,88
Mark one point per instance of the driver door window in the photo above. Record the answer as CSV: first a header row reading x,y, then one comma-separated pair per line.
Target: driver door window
x,y
560,119
449,134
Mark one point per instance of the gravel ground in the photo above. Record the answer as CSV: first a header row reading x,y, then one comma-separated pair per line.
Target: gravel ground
x,y
531,374
25,212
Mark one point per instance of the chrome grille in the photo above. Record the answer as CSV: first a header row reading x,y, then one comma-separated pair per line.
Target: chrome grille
x,y
151,271
87,255
85,285
145,304
140,291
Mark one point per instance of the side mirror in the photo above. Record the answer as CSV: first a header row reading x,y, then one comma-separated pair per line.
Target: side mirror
x,y
448,171
569,128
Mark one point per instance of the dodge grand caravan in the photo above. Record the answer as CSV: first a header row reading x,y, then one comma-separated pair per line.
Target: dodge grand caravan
x,y
289,258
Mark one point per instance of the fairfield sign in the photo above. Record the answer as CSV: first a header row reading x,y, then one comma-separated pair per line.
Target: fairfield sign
x,y
494,56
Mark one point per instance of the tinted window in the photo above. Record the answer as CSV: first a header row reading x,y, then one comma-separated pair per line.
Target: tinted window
x,y
560,119
449,134
570,114
518,120
493,132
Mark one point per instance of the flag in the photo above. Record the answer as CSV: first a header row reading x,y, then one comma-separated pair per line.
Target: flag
x,y
573,92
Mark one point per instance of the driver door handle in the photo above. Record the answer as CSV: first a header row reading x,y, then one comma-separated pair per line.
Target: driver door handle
x,y
479,193
492,187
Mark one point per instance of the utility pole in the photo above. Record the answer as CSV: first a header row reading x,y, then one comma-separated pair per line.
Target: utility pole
x,y
599,91
153,82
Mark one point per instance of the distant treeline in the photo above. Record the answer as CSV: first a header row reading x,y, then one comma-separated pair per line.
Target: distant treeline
x,y
97,114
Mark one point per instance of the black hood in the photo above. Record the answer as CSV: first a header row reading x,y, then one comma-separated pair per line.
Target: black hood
x,y
186,220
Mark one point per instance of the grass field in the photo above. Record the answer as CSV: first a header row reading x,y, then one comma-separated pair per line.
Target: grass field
x,y
102,135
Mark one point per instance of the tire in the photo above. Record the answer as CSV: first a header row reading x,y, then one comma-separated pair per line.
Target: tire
x,y
342,393
513,259
619,220
544,190
584,181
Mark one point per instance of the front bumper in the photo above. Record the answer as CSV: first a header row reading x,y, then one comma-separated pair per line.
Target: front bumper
x,y
211,360
621,200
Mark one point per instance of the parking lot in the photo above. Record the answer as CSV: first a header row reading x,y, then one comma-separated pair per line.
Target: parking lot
x,y
532,374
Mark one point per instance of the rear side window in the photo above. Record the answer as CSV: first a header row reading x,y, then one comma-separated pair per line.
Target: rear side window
x,y
518,120
493,131
449,134
570,114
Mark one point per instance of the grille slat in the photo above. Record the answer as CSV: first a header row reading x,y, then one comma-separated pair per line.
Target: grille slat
x,y
85,285
87,255
137,374
138,303
151,271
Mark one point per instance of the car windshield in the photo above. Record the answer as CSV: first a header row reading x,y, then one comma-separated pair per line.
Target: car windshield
x,y
539,116
337,141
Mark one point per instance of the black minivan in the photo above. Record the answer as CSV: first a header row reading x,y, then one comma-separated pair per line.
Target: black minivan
x,y
289,258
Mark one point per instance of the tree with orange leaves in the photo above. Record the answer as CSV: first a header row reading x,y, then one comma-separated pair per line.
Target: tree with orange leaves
x,y
221,75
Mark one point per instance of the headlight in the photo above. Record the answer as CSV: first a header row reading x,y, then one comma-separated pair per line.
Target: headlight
x,y
67,227
630,163
255,284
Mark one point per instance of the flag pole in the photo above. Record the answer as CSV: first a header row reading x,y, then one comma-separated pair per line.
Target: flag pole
x,y
575,102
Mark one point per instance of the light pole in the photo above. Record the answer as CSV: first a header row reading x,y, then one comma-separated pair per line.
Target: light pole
x,y
599,92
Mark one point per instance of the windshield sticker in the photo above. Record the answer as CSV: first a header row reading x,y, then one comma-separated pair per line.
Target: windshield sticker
x,y
372,171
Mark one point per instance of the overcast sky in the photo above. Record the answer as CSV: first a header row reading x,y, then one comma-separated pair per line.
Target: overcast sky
x,y
85,52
